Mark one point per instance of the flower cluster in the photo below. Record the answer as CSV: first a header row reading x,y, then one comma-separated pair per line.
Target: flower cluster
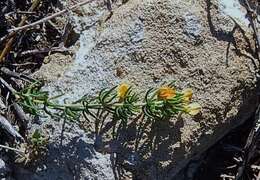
x,y
164,101
170,94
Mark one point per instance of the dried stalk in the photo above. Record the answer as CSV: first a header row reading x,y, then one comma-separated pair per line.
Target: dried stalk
x,y
23,119
8,45
6,125
12,149
51,16
16,75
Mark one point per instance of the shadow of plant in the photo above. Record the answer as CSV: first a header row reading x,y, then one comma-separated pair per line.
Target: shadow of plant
x,y
143,143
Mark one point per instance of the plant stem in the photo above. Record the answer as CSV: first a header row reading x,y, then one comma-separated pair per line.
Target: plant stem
x,y
80,107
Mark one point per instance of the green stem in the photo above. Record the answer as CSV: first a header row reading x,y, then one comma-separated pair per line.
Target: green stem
x,y
80,107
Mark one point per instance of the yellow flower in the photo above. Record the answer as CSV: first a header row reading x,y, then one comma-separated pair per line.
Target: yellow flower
x,y
187,95
166,93
192,109
122,90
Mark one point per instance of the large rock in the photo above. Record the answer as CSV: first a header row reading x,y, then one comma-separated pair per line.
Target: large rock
x,y
71,155
150,41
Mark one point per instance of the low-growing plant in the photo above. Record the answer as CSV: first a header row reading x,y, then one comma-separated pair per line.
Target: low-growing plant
x,y
119,103
34,148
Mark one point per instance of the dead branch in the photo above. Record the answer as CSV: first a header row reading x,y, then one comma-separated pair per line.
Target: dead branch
x,y
23,119
16,75
10,88
6,125
51,16
9,43
43,50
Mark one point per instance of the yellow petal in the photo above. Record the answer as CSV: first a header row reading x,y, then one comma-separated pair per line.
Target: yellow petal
x,y
193,108
166,93
122,90
187,94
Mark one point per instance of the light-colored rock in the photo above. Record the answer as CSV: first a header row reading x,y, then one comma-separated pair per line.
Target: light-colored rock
x,y
150,41
71,155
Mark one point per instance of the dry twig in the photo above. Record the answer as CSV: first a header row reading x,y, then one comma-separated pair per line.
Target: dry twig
x,y
9,43
5,124
51,16
12,149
